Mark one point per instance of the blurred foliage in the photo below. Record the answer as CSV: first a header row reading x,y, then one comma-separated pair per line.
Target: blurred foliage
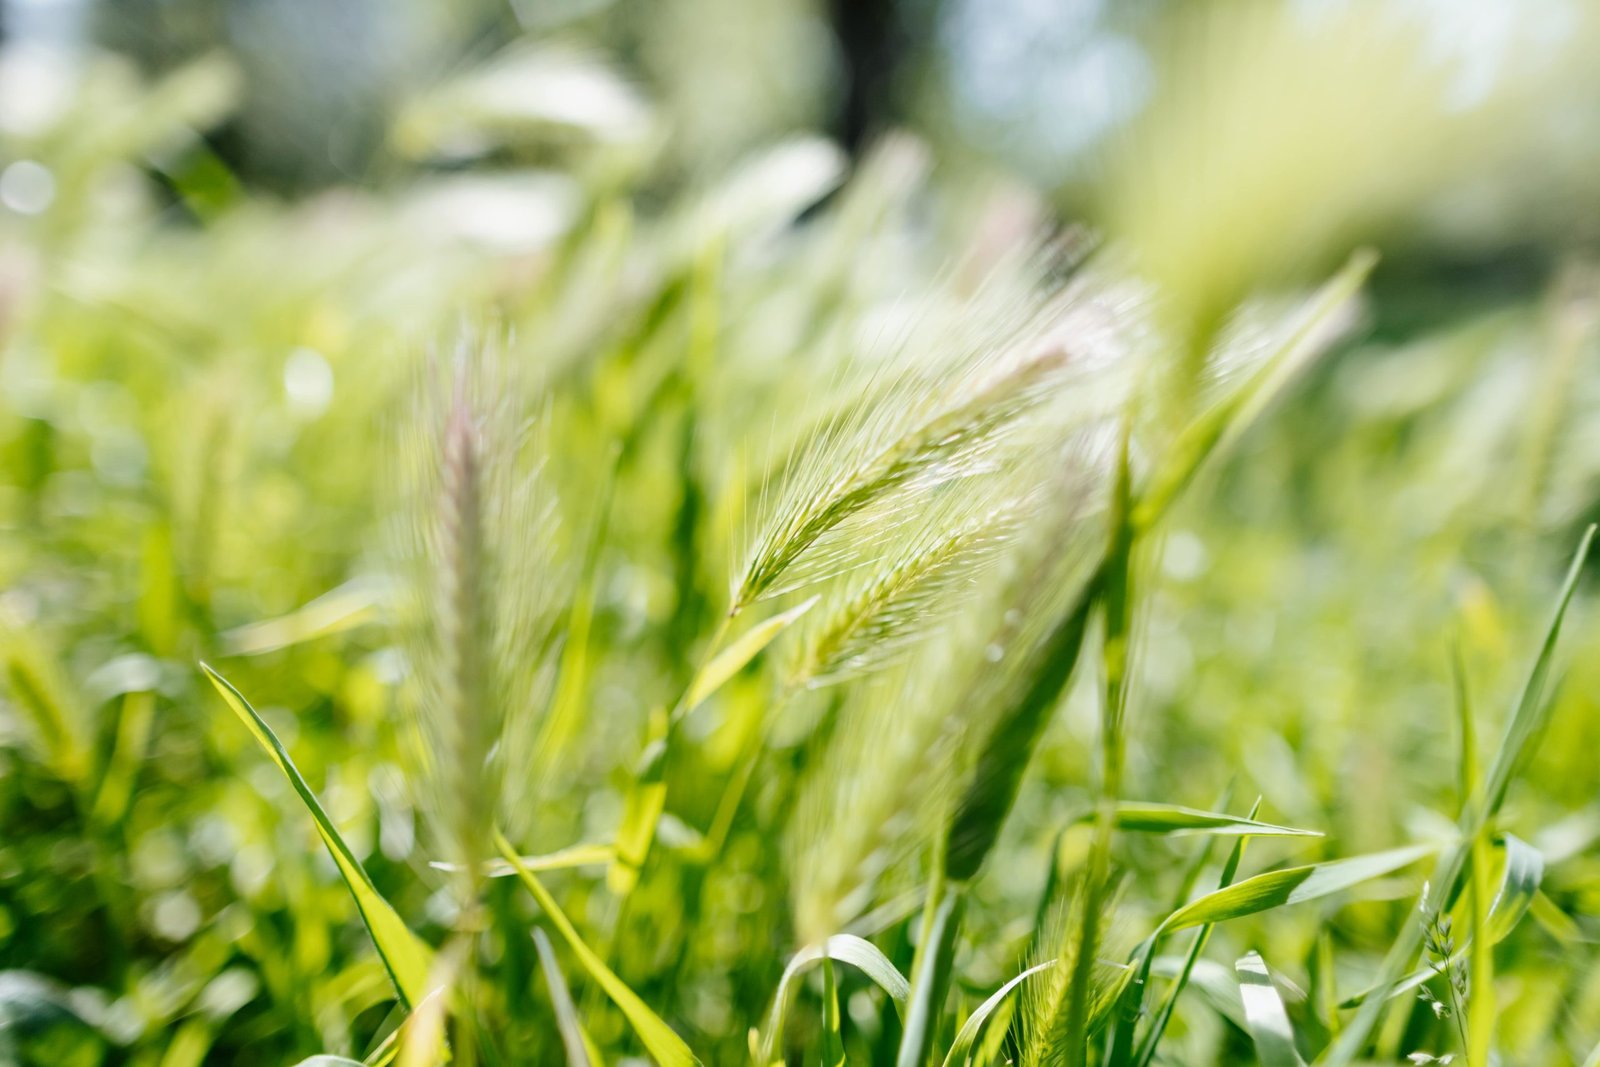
x,y
197,387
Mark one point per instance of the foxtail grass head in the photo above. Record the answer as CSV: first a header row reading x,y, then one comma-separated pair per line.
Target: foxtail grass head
x,y
473,536
976,394
1044,1034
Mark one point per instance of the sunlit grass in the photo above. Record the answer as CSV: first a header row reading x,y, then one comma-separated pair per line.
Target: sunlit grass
x,y
712,628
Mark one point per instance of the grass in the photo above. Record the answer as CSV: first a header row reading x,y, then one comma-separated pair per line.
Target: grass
x,y
725,634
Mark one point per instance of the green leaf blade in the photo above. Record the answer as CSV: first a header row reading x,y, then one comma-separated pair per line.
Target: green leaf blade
x,y
1265,1015
1292,885
731,660
960,1051
572,1035
1152,818
861,954
658,1038
407,959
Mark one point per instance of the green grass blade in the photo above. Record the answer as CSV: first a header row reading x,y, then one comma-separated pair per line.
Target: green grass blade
x,y
659,1038
641,810
1480,956
572,685
407,959
1010,744
1519,887
1324,983
387,1049
1524,870
405,1037
1217,985
1118,597
1224,422
336,611
731,660
961,1048
583,855
863,955
1149,818
832,1039
127,756
1265,1014
1163,1016
38,688
1292,885
930,979
1555,922
1466,728
647,794
1480,1007
1527,722
572,1036
328,1061
1533,711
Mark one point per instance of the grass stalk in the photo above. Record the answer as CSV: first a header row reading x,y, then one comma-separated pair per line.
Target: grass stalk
x,y
1529,716
1116,597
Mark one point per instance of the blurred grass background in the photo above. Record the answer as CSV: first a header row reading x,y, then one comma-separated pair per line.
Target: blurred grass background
x,y
226,227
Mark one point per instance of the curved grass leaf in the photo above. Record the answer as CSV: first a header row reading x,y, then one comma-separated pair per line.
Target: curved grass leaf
x,y
1008,748
572,1036
328,1061
586,855
426,1016
1225,422
1533,711
1158,1025
1264,1014
1528,721
1519,885
731,660
1292,885
406,958
1149,818
863,955
961,1048
931,975
1216,984
345,608
832,1040
658,1038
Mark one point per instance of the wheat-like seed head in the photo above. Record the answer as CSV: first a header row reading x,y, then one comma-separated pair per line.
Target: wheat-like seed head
x,y
898,602
473,542
1042,1018
889,777
939,411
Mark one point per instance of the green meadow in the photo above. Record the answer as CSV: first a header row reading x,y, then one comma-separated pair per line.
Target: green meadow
x,y
554,598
